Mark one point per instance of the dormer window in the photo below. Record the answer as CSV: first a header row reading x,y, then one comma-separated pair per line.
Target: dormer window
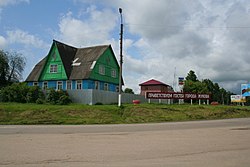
x,y
53,68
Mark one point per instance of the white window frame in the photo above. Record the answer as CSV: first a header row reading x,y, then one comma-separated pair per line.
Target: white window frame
x,y
53,68
113,73
79,82
59,86
102,69
106,86
67,85
97,85
45,87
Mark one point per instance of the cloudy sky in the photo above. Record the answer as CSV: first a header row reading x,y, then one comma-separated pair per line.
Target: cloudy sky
x,y
161,37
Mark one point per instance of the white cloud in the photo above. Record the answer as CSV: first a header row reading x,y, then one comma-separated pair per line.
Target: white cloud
x,y
207,36
23,37
93,27
3,42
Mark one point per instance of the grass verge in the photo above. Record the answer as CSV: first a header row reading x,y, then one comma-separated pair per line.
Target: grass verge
x,y
16,113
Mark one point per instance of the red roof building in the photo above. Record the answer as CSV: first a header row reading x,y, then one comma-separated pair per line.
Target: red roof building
x,y
154,86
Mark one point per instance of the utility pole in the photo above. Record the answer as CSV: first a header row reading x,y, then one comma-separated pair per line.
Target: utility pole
x,y
121,61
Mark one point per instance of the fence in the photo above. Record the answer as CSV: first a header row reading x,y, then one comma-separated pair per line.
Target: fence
x,y
92,96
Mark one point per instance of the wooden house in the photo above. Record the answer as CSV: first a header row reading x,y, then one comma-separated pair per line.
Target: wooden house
x,y
154,86
66,67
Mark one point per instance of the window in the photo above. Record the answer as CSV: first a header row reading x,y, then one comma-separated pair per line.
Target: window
x,y
106,86
45,85
97,85
101,69
117,88
113,73
59,85
69,85
35,83
79,84
53,68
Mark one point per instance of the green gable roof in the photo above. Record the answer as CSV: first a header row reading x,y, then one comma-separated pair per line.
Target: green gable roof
x,y
87,57
78,62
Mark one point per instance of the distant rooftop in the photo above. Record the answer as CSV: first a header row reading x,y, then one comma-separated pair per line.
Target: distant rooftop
x,y
152,82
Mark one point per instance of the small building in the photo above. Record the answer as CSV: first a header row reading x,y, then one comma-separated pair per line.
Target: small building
x,y
69,68
154,86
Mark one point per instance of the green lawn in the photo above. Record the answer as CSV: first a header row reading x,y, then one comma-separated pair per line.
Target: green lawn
x,y
16,113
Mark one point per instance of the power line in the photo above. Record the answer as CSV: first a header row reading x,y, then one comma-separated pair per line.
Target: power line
x,y
188,26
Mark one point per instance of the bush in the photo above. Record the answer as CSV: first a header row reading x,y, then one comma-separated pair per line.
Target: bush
x,y
14,93
21,93
58,97
64,100
39,101
34,94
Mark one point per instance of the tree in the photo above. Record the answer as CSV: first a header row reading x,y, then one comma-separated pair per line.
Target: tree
x,y
4,68
128,90
195,87
16,66
191,76
11,67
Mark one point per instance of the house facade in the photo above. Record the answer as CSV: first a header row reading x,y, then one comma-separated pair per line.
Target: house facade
x,y
69,68
154,86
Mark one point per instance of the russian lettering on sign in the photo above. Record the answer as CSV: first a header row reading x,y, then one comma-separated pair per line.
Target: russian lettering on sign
x,y
162,95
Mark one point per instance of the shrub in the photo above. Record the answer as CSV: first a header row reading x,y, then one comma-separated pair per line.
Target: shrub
x,y
58,97
21,93
39,101
34,94
64,100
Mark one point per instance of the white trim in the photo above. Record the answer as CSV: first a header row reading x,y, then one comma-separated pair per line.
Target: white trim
x,y
77,84
35,84
46,84
93,65
53,69
67,84
97,85
57,85
107,87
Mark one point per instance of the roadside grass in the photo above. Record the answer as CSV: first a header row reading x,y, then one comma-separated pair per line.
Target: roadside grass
x,y
17,113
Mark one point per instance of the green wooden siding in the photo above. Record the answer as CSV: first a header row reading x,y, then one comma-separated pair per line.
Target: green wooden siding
x,y
108,61
53,59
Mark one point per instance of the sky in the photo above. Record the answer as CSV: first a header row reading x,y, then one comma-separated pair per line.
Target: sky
x,y
163,39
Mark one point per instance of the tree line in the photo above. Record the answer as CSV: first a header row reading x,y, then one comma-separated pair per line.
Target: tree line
x,y
218,94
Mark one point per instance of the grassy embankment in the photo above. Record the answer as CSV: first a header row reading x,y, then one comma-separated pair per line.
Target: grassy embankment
x,y
15,113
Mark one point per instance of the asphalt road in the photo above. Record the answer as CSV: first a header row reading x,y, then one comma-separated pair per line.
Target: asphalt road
x,y
222,143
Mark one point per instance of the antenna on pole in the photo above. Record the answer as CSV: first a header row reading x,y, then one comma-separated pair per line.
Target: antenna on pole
x,y
174,81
